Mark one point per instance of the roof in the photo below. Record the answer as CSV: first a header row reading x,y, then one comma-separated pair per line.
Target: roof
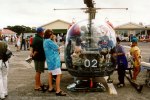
x,y
130,25
7,32
148,26
58,20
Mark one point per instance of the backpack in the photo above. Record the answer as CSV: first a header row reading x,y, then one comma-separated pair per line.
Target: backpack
x,y
4,52
7,55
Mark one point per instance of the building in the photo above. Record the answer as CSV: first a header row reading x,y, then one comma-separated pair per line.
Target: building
x,y
125,31
7,32
132,29
58,26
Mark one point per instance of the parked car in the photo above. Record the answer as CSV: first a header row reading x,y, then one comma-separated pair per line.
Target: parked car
x,y
124,38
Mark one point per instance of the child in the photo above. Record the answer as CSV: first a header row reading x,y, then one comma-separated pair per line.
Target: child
x,y
136,55
121,62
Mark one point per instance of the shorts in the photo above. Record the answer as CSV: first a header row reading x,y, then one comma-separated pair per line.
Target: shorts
x,y
55,72
39,66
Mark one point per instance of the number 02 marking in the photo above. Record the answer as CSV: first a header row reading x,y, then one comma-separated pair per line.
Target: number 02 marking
x,y
94,61
88,63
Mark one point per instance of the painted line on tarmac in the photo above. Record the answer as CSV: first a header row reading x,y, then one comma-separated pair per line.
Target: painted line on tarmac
x,y
111,87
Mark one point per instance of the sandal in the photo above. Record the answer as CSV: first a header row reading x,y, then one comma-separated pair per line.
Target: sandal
x,y
61,93
52,90
44,88
38,89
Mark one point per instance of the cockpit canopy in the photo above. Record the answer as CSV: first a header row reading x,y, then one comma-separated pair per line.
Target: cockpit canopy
x,y
98,35
88,48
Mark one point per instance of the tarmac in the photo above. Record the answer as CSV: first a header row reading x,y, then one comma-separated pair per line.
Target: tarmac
x,y
21,82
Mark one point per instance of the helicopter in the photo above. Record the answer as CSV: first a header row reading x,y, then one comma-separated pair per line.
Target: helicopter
x,y
89,47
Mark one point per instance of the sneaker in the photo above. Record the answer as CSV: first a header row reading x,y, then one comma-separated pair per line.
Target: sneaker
x,y
119,85
6,95
2,97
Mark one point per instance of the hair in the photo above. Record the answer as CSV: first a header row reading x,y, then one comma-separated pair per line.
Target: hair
x,y
134,44
48,33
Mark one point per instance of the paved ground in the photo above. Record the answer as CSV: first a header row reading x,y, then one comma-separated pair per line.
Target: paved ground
x,y
21,82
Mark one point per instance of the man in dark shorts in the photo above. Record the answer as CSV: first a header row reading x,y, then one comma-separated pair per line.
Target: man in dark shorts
x,y
38,55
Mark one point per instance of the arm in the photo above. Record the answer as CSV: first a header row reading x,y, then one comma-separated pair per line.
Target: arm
x,y
33,49
136,56
53,45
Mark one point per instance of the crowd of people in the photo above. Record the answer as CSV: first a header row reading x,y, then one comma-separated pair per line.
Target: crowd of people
x,y
20,41
43,47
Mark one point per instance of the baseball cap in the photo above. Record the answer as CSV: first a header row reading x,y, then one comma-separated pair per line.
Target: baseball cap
x,y
134,39
39,30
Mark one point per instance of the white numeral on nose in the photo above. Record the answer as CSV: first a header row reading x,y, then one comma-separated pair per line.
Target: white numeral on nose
x,y
88,63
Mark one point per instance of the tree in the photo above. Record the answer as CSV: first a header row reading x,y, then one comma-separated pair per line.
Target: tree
x,y
21,29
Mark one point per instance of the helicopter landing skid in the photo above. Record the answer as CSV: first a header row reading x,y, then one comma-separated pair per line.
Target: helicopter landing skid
x,y
86,85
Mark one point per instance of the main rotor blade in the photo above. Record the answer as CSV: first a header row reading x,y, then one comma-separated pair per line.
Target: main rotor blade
x,y
111,8
71,9
88,8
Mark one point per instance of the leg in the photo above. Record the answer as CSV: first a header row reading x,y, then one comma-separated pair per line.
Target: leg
x,y
50,81
37,80
122,74
18,48
136,72
24,45
58,83
39,67
21,46
58,90
119,74
4,74
2,95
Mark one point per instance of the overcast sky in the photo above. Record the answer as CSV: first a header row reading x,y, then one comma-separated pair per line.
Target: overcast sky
x,y
35,13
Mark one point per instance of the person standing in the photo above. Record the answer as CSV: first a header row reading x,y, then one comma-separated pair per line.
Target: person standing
x,y
38,55
27,43
122,62
18,42
53,61
23,42
31,40
3,70
136,55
